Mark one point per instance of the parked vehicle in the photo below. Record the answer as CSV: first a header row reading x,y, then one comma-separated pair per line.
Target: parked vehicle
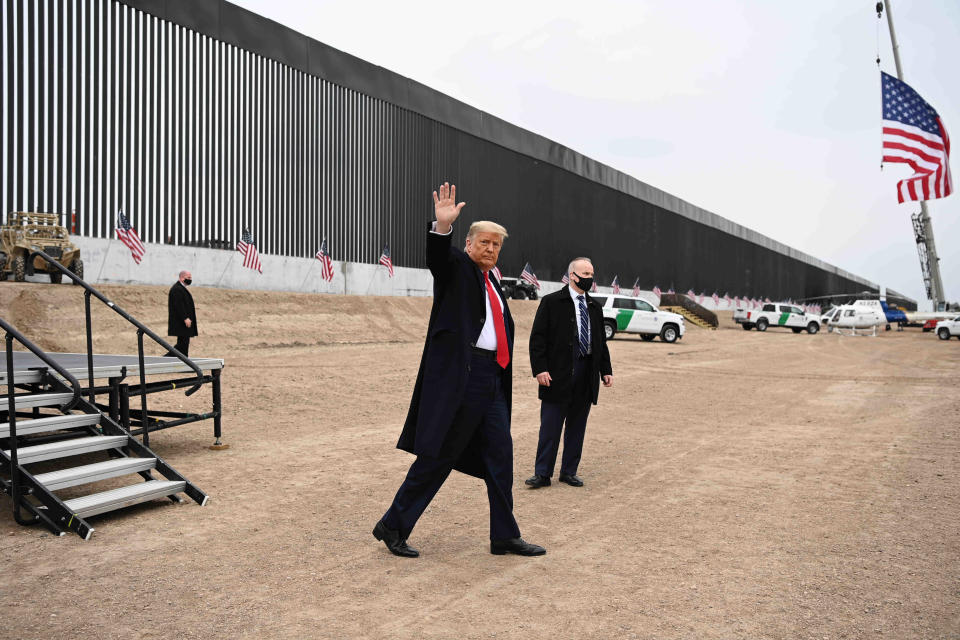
x,y
931,324
27,232
947,329
636,315
518,289
777,314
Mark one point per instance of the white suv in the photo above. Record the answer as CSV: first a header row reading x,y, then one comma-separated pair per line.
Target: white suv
x,y
947,329
636,315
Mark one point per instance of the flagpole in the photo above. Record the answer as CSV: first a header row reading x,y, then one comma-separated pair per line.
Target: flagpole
x,y
936,283
102,264
307,276
229,262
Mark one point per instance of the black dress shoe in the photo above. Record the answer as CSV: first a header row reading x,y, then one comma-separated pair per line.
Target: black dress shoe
x,y
573,481
398,546
537,481
518,546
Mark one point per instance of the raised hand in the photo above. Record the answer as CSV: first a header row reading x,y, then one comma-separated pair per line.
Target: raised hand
x,y
446,207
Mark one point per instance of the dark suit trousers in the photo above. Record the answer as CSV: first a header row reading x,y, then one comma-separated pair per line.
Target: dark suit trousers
x,y
484,413
574,410
183,346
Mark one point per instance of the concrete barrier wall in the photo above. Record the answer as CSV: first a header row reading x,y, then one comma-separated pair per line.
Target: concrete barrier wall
x,y
110,262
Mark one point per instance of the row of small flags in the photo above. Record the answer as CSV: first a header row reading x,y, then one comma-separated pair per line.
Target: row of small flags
x,y
251,259
248,249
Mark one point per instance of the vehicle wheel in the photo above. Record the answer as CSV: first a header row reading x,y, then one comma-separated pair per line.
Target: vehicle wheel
x,y
56,278
533,295
669,333
747,327
647,337
943,333
609,329
813,328
796,329
77,268
762,324
19,268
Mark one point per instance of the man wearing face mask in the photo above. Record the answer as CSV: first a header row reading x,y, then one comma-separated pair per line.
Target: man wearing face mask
x,y
182,315
569,357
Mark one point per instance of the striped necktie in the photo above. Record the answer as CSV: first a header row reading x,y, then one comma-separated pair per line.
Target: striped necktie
x,y
584,327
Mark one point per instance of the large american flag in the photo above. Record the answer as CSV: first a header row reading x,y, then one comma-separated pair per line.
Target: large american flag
x,y
913,133
326,264
528,275
128,236
247,248
385,259
616,284
636,288
495,272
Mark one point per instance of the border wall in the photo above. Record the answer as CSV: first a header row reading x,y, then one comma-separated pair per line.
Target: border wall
x,y
198,119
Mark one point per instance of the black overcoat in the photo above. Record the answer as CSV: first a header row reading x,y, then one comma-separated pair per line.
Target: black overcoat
x,y
179,307
554,342
456,319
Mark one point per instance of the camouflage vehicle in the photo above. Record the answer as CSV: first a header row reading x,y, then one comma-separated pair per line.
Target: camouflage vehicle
x,y
27,232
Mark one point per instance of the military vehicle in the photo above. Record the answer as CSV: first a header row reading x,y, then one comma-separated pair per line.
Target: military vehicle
x,y
27,232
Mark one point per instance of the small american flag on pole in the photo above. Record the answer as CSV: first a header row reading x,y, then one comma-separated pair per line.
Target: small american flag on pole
x,y
565,279
636,288
913,134
495,272
691,294
247,248
656,291
528,275
326,264
616,284
594,289
716,299
128,236
385,259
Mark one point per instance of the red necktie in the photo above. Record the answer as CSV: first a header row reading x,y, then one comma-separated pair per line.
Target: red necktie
x,y
503,353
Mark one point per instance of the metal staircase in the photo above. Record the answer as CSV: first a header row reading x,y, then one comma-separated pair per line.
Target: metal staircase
x,y
59,440
693,312
42,454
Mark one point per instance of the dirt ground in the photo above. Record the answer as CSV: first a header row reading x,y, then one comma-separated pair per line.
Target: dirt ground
x,y
738,485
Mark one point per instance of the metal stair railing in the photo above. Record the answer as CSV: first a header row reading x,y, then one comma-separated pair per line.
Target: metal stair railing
x,y
683,301
141,331
15,471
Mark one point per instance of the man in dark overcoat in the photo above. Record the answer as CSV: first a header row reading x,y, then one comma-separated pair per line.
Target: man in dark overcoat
x,y
181,314
459,416
569,357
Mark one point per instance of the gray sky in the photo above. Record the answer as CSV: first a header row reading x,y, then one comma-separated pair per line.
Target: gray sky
x,y
766,113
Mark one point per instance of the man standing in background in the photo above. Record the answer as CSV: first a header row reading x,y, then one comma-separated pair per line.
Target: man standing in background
x,y
568,356
182,315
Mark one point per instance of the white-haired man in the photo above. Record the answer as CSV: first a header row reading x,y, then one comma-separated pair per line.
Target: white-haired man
x,y
459,415
569,357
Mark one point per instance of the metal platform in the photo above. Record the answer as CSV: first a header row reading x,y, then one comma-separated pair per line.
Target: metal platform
x,y
105,366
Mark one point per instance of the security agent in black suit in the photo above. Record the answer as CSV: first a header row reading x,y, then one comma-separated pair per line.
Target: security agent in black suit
x,y
569,356
181,314
459,415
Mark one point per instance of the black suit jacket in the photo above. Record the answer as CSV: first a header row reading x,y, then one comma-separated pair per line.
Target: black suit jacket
x,y
179,307
554,343
456,319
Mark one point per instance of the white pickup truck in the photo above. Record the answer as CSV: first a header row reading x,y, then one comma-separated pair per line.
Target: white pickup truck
x,y
774,314
947,329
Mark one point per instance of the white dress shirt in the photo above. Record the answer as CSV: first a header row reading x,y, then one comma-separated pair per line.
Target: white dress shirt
x,y
576,313
488,335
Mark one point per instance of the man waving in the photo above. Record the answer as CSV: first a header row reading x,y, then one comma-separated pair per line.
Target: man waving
x,y
459,415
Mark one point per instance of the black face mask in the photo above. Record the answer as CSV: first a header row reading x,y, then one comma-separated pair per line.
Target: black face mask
x,y
188,281
585,284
